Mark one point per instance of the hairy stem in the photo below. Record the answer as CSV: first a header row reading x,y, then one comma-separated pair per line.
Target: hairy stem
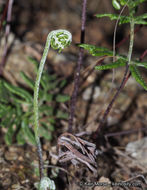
x,y
58,39
77,75
36,116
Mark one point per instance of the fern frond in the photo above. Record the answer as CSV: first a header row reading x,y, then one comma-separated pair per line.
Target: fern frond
x,y
136,74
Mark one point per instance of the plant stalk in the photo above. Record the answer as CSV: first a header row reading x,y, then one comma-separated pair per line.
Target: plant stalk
x,y
124,80
77,75
36,116
58,39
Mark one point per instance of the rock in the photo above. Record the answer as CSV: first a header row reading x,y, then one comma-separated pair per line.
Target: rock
x,y
138,150
88,91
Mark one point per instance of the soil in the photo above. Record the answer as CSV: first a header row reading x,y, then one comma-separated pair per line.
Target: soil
x,y
31,22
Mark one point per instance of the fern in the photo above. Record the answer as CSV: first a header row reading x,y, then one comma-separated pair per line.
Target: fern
x,y
122,60
118,63
122,19
13,100
96,51
136,74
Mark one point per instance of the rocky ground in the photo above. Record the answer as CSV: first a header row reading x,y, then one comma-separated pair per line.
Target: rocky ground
x,y
31,22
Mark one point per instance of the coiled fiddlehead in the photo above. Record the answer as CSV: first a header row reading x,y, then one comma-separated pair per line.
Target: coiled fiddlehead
x,y
60,39
57,39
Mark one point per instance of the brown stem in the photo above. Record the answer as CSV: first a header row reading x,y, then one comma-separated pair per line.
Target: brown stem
x,y
124,132
77,75
4,14
143,55
125,79
41,165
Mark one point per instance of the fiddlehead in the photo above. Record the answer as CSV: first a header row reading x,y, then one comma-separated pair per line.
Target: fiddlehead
x,y
58,39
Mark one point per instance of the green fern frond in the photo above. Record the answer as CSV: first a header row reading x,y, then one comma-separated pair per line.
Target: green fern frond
x,y
96,51
136,74
118,63
135,3
122,19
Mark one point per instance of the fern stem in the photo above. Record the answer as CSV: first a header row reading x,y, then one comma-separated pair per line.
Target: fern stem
x,y
124,80
131,41
36,116
58,39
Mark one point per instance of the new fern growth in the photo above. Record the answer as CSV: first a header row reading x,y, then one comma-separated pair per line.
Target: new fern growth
x,y
57,39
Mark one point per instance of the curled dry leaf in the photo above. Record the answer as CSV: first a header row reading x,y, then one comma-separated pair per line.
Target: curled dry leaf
x,y
74,149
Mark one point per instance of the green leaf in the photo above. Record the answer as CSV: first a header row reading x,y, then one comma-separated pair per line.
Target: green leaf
x,y
42,94
12,124
62,98
43,83
20,137
36,63
136,74
48,81
47,110
143,22
135,3
48,77
143,16
28,81
17,100
28,134
8,119
4,110
52,121
19,91
115,4
96,51
9,135
139,64
111,16
122,19
4,93
123,2
19,110
48,126
49,97
118,63
61,115
52,85
141,19
44,132
63,83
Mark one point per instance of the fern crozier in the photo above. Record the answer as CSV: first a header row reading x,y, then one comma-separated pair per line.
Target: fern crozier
x,y
58,39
